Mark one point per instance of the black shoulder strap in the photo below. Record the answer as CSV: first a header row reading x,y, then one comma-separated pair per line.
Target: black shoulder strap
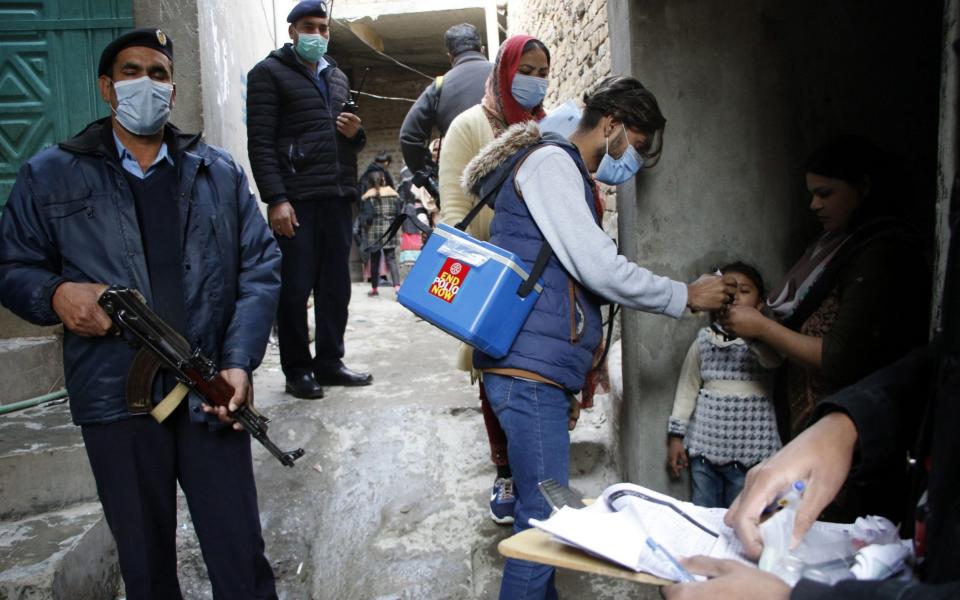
x,y
408,212
538,267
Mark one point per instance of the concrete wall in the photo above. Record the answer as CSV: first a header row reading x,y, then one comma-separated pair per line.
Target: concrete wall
x,y
748,88
229,48
178,19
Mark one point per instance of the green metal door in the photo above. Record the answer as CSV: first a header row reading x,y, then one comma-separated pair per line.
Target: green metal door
x,y
48,65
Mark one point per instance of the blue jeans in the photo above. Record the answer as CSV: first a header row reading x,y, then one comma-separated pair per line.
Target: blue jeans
x,y
715,486
534,416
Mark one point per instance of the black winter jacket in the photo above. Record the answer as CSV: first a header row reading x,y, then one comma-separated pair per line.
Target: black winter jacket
x,y
295,150
71,217
462,87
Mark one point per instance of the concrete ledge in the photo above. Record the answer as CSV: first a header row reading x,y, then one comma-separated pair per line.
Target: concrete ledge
x,y
68,554
43,465
30,366
12,326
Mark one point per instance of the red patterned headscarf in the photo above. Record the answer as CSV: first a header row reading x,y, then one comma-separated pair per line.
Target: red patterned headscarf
x,y
498,100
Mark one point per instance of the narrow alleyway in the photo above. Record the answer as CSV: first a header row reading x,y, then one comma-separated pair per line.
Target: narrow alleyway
x,y
391,499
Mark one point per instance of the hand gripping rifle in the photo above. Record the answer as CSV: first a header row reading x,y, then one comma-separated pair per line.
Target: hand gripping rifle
x,y
161,346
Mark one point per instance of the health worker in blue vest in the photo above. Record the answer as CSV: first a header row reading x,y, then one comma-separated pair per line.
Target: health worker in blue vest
x,y
548,195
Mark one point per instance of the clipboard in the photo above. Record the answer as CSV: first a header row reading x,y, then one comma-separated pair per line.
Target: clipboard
x,y
538,546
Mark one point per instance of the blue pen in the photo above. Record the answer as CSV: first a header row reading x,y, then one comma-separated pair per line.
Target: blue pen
x,y
684,575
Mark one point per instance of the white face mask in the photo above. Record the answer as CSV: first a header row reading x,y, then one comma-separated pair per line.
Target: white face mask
x,y
143,105
614,171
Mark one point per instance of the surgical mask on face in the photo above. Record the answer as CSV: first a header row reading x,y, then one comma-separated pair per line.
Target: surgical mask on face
x,y
143,105
614,171
528,91
311,46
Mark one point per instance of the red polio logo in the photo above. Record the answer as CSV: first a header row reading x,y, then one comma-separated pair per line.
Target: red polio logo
x,y
446,285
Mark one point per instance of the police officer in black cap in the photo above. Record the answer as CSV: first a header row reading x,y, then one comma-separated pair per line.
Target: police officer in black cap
x,y
303,150
132,201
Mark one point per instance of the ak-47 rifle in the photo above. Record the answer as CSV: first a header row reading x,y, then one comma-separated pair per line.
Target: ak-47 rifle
x,y
161,345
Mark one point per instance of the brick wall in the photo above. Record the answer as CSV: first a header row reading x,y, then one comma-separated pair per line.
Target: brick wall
x,y
577,35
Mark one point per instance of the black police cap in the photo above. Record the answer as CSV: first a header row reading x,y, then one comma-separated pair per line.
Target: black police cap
x,y
307,8
148,37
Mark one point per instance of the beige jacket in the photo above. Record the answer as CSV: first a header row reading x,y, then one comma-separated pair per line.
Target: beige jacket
x,y
468,133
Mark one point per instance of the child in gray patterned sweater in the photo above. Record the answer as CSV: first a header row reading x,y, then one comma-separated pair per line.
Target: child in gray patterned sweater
x,y
723,420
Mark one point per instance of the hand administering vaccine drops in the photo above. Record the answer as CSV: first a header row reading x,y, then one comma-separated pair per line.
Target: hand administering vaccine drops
x,y
711,292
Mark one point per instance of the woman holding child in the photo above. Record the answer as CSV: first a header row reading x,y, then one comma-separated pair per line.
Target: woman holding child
x,y
857,298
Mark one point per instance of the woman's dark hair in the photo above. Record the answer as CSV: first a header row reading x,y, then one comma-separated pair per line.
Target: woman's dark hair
x,y
534,44
750,271
626,100
858,161
376,179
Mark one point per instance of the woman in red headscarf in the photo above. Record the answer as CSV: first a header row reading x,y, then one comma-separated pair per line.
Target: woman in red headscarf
x,y
515,91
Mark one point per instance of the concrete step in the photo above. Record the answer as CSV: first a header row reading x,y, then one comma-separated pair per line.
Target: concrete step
x,y
68,554
12,326
43,465
30,366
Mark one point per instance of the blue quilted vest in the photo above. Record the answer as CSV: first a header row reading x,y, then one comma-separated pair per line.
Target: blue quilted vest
x,y
563,331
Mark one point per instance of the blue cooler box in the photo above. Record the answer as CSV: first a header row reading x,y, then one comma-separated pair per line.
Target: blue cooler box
x,y
469,288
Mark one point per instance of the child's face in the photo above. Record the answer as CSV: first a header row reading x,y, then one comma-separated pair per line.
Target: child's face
x,y
747,293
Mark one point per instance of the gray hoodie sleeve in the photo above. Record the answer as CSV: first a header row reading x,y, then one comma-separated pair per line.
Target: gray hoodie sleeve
x,y
553,191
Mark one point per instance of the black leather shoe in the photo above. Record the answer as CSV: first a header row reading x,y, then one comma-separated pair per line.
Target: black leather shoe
x,y
304,386
344,376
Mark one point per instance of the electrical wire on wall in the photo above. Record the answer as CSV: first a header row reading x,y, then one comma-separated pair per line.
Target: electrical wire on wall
x,y
270,22
410,100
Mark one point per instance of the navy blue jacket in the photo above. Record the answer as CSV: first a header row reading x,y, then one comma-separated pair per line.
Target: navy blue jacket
x,y
71,217
296,152
559,338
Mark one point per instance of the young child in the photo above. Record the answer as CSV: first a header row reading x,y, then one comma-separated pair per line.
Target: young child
x,y
723,420
379,207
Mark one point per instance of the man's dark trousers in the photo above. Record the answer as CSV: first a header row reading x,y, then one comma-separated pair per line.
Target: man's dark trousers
x,y
137,463
316,259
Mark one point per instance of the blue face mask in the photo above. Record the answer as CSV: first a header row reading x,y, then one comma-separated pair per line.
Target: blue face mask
x,y
614,171
528,91
143,105
311,46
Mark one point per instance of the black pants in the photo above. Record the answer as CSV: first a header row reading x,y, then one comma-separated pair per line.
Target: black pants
x,y
390,260
316,259
137,464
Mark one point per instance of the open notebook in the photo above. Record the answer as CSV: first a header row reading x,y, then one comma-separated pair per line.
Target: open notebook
x,y
617,525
